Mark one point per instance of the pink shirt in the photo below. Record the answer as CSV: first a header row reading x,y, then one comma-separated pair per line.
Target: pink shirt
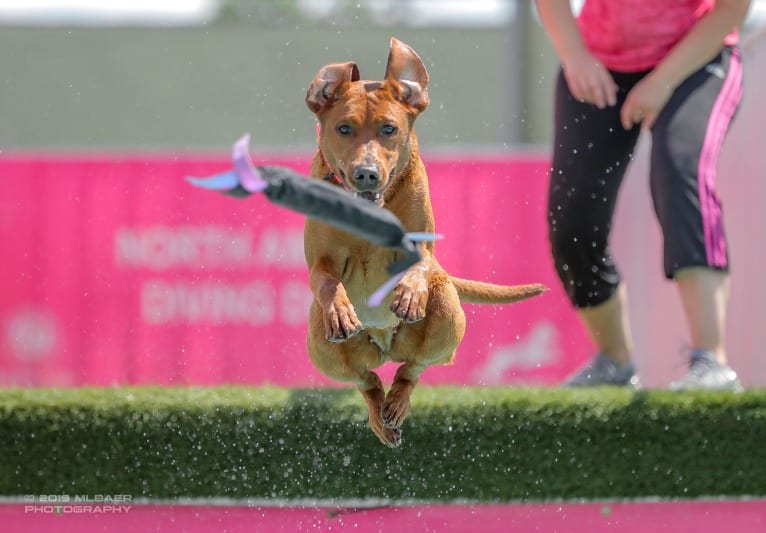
x,y
634,35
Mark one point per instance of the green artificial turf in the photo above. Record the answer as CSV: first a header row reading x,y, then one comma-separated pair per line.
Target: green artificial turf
x,y
460,443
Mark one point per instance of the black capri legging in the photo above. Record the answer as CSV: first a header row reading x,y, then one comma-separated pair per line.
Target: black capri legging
x,y
590,156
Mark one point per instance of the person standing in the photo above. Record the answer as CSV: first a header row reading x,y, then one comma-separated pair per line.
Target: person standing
x,y
674,69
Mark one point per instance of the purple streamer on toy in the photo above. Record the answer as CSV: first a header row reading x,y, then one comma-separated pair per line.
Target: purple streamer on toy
x,y
248,176
219,182
376,298
422,236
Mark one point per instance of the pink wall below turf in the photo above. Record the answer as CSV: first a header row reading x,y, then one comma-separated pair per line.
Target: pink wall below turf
x,y
116,271
628,517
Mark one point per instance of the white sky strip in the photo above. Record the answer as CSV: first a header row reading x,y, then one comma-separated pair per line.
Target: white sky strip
x,y
107,13
422,13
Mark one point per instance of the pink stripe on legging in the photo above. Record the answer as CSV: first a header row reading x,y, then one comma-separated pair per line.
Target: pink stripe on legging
x,y
710,204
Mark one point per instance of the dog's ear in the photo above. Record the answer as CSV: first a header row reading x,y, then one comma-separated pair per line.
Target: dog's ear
x,y
323,89
407,73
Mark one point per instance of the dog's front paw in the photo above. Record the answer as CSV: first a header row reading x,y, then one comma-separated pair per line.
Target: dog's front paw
x,y
409,302
341,322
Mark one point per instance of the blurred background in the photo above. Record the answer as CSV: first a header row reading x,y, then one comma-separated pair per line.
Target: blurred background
x,y
137,84
184,74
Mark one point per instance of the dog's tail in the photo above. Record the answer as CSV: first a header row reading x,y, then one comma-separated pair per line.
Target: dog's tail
x,y
479,292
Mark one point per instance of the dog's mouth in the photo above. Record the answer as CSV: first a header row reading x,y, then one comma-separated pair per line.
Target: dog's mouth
x,y
371,196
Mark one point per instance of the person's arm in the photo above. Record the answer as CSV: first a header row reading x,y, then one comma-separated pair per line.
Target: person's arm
x,y
699,46
587,78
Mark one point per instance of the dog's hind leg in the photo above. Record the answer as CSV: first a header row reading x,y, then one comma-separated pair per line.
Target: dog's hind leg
x,y
396,405
374,395
418,345
351,361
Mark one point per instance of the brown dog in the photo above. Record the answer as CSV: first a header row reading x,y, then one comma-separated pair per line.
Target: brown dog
x,y
367,145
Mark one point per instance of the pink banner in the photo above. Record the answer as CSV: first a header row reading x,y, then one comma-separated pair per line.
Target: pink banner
x,y
116,271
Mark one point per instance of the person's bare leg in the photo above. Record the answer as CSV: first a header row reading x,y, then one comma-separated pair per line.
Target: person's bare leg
x,y
608,326
704,295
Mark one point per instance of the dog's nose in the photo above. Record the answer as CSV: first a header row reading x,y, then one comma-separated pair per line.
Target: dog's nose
x,y
366,177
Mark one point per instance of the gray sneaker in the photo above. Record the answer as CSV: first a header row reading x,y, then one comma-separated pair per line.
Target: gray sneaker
x,y
705,372
602,370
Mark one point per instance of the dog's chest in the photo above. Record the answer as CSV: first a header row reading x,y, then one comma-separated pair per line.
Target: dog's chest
x,y
364,273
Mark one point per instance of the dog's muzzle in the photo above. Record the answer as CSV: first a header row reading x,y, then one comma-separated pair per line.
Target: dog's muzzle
x,y
366,179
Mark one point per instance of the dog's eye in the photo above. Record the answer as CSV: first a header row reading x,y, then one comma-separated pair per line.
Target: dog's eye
x,y
388,129
344,129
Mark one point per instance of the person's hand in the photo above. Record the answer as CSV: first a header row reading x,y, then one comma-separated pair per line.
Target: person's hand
x,y
644,102
589,80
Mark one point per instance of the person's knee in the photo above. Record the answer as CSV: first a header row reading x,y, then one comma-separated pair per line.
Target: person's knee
x,y
566,242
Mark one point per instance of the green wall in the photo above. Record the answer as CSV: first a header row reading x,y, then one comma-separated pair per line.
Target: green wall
x,y
199,88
